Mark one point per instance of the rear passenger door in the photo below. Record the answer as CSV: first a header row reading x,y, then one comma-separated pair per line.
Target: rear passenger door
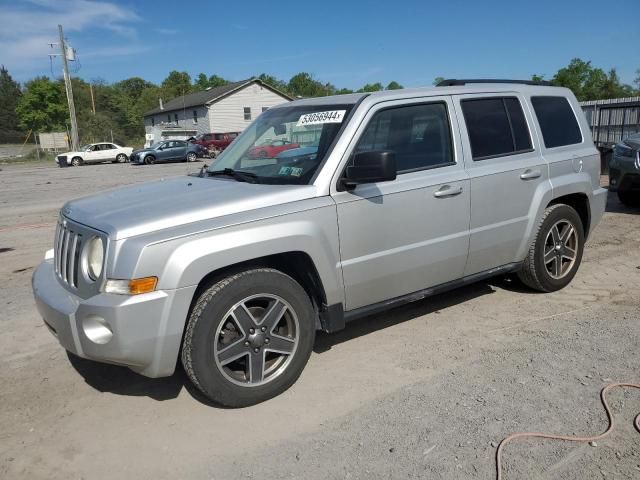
x,y
506,169
403,236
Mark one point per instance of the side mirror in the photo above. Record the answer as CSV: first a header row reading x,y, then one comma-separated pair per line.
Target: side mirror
x,y
370,167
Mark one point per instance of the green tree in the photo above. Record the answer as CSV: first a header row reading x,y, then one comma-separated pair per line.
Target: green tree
x,y
9,97
393,85
43,106
537,78
372,87
274,82
303,85
637,80
343,91
437,80
176,84
202,82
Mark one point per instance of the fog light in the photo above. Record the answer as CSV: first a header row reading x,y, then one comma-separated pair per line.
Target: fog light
x,y
96,329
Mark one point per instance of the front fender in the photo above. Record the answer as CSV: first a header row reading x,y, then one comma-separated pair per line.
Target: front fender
x,y
185,261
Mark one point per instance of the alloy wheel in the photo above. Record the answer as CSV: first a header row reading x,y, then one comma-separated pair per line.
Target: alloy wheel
x,y
560,249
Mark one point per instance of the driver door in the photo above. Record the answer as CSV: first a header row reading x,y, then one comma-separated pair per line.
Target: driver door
x,y
403,236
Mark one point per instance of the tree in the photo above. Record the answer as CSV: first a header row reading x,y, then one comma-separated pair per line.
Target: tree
x,y
437,80
343,91
133,87
372,87
176,84
9,97
590,83
393,85
273,82
303,85
43,106
637,80
203,82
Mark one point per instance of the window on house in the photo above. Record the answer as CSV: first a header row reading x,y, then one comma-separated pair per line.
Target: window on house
x,y
169,117
496,126
153,121
264,109
557,121
247,113
175,116
195,116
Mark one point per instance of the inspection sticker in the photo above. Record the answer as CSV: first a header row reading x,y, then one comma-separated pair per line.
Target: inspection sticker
x,y
318,118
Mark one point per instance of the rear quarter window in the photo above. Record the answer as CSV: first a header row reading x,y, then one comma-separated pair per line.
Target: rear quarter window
x,y
558,123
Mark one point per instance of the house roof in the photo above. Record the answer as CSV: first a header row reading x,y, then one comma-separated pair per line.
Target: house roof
x,y
197,99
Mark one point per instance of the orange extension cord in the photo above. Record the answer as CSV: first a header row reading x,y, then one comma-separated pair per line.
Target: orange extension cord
x,y
603,397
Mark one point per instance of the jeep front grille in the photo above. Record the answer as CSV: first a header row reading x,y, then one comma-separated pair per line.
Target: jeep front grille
x,y
66,258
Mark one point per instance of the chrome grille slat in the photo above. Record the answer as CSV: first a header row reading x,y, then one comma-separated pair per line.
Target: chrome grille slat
x,y
72,260
65,251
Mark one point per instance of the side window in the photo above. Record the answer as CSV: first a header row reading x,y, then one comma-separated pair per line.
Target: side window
x,y
496,127
557,121
247,113
418,134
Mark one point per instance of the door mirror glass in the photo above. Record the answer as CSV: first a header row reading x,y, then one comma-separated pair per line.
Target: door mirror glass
x,y
370,167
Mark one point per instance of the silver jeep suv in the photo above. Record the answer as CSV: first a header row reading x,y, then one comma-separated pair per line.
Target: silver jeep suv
x,y
379,199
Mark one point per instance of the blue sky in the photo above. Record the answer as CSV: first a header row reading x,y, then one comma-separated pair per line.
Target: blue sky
x,y
348,43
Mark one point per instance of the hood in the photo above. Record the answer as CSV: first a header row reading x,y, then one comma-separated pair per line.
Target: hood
x,y
148,207
140,150
633,141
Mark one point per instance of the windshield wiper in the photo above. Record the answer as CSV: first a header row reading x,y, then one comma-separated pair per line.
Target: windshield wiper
x,y
240,176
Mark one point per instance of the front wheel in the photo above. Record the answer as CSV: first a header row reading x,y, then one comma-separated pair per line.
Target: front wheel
x,y
630,199
556,253
248,338
149,160
121,158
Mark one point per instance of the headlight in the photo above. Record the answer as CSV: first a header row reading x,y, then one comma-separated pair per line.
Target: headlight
x,y
94,258
623,151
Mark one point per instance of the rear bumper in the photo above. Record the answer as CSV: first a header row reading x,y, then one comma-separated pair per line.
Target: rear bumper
x,y
142,332
597,206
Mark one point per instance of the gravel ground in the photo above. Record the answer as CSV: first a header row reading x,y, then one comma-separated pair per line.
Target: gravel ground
x,y
424,391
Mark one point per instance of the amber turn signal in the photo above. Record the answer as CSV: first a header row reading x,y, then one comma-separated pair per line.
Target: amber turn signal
x,y
131,287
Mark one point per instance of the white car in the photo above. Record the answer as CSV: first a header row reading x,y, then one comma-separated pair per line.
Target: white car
x,y
95,153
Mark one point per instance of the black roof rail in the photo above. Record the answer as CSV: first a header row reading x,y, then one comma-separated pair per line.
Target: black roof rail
x,y
453,82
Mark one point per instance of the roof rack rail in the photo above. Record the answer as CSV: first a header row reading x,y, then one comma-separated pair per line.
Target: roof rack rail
x,y
453,82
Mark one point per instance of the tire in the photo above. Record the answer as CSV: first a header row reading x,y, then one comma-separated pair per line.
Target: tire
x,y
630,199
149,160
76,162
121,158
191,157
212,333
542,275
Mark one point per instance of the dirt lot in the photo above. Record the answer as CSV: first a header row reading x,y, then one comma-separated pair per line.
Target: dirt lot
x,y
423,391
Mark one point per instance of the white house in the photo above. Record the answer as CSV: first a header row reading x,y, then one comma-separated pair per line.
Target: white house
x,y
230,108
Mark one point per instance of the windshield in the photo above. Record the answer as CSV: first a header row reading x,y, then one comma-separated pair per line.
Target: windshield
x,y
156,145
84,148
285,145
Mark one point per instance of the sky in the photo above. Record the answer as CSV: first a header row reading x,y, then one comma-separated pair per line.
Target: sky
x,y
348,43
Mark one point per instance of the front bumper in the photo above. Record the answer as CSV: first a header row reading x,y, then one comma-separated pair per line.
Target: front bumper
x,y
624,174
146,330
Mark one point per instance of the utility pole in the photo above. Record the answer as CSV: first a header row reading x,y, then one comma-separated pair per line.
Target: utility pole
x,y
93,102
67,84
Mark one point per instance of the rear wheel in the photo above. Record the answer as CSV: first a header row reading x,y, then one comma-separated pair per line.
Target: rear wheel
x,y
191,157
249,337
149,160
76,161
630,199
556,253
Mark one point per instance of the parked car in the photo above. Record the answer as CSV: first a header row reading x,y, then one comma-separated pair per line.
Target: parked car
x,y
168,151
624,170
95,153
215,142
409,193
271,148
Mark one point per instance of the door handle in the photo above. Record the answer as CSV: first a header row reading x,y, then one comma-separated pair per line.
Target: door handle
x,y
529,174
447,191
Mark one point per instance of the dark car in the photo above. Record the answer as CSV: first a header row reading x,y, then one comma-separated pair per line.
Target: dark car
x,y
168,151
624,171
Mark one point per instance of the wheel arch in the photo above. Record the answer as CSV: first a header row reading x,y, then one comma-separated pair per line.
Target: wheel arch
x,y
580,203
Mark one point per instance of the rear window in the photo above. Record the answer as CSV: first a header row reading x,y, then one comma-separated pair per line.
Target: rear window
x,y
557,121
496,127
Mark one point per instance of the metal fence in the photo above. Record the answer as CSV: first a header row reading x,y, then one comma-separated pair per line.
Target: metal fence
x,y
612,120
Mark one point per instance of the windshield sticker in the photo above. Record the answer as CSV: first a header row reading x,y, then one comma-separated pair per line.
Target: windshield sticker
x,y
284,171
296,171
319,118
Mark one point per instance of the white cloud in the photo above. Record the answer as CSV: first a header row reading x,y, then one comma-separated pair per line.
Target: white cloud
x,y
27,28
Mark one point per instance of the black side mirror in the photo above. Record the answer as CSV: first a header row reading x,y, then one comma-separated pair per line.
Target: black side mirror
x,y
370,167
